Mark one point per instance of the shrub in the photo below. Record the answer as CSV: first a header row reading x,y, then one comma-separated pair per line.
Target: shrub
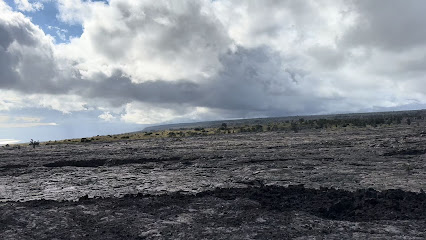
x,y
224,126
34,143
85,140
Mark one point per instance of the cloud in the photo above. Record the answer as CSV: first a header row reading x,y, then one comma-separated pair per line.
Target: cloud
x,y
25,125
162,61
106,116
27,57
22,122
252,81
396,25
142,113
26,6
165,40
61,33
75,11
8,141
327,57
135,113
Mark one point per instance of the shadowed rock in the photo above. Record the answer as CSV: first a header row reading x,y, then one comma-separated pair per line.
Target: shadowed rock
x,y
106,162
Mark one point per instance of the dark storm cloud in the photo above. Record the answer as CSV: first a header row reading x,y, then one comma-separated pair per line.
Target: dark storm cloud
x,y
393,25
8,61
252,80
8,77
119,90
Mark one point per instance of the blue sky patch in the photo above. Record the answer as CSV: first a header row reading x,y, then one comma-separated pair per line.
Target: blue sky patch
x,y
46,19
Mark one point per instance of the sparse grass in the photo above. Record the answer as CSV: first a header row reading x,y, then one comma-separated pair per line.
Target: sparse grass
x,y
343,123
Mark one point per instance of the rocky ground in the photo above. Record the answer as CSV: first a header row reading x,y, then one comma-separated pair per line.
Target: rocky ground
x,y
314,184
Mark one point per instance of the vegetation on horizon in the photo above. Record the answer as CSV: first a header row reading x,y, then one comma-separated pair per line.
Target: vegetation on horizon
x,y
337,122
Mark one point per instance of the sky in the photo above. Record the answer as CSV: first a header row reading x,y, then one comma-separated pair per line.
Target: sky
x,y
75,68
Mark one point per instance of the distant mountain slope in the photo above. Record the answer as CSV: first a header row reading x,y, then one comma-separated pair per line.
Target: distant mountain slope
x,y
254,121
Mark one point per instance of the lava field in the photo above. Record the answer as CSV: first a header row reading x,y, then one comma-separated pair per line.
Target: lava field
x,y
355,183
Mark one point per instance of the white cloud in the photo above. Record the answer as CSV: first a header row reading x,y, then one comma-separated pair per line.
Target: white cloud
x,y
75,11
25,125
27,56
162,61
146,114
107,116
165,40
22,122
61,33
26,6
27,119
8,141
62,103
66,104
141,113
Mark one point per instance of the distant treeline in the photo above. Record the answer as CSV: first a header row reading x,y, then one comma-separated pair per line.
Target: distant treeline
x,y
373,120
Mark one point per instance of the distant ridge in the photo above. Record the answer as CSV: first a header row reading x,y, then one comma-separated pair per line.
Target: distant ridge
x,y
251,121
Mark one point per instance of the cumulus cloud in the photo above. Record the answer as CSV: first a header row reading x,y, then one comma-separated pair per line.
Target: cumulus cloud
x,y
148,40
77,11
106,116
27,57
26,6
162,61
